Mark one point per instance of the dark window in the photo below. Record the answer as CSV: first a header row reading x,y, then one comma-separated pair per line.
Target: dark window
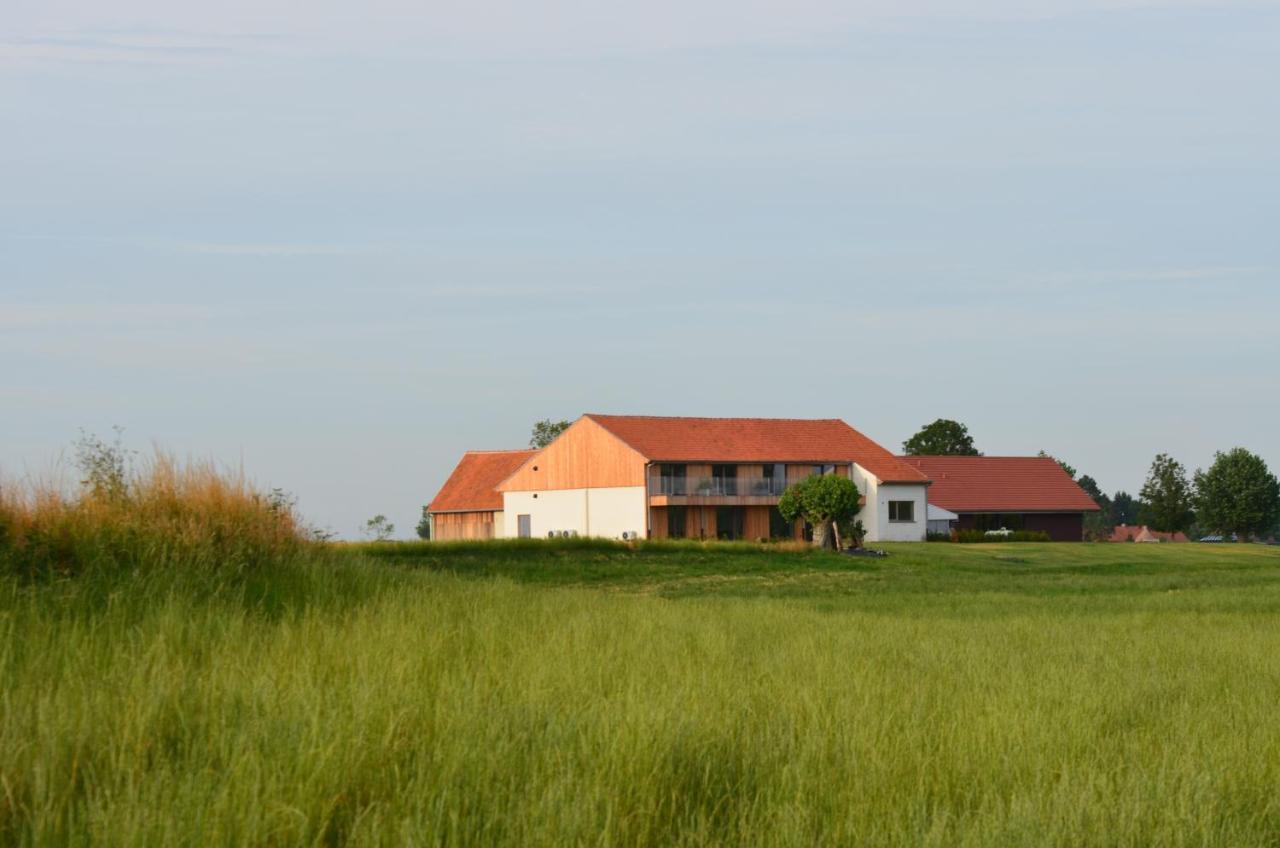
x,y
677,521
779,527
823,470
724,479
992,521
902,511
731,522
672,479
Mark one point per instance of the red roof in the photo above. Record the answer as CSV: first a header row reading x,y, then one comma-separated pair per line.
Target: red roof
x,y
472,485
1127,533
1001,484
669,439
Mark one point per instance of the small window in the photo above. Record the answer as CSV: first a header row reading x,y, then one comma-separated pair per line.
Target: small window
x,y
904,511
823,470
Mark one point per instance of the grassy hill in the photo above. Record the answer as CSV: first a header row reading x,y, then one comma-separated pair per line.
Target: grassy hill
x,y
673,694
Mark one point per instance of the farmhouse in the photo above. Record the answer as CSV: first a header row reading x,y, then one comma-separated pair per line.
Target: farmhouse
x,y
469,505
1007,492
625,476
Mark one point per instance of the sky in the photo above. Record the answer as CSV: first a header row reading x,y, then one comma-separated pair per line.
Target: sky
x,y
338,244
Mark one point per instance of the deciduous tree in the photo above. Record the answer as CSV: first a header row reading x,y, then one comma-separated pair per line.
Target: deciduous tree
x,y
943,437
545,432
1238,494
1168,496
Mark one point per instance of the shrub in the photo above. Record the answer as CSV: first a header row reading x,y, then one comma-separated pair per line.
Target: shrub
x,y
937,537
970,537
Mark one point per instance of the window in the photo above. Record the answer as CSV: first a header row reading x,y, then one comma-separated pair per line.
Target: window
x,y
779,527
672,479
677,521
724,479
823,470
775,479
524,527
904,511
731,522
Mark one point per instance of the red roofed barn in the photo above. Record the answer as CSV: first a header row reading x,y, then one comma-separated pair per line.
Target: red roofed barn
x,y
1005,492
469,506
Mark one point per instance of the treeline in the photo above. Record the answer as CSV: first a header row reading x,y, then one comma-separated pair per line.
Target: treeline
x,y
1237,496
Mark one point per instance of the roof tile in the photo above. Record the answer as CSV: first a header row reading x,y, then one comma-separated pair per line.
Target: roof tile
x,y
1001,484
472,484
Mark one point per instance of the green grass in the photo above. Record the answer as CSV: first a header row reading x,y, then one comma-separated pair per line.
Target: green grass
x,y
584,693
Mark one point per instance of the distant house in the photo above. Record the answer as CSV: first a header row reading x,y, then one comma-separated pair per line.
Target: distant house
x,y
1003,492
941,520
641,476
468,505
1127,533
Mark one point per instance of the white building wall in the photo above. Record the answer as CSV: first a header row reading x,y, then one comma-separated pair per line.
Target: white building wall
x,y
875,512
605,512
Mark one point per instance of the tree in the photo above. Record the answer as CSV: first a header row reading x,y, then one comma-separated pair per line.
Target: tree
x,y
378,528
821,500
1238,494
1071,471
1125,509
1168,496
424,526
1097,525
943,437
545,432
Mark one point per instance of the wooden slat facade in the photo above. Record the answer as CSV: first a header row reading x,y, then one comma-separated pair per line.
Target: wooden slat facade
x,y
585,455
463,526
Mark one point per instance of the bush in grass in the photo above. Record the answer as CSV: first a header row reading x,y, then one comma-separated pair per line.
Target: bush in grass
x,y
937,537
164,513
970,537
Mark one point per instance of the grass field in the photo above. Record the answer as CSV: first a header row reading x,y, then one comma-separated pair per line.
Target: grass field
x,y
588,694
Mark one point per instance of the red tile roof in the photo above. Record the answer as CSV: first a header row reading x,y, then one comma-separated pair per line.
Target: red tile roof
x,y
472,484
1128,533
1001,484
669,439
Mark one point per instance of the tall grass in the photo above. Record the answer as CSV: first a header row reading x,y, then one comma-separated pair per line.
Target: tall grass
x,y
160,514
180,666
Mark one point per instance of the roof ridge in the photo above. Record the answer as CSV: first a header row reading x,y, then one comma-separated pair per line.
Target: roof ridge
x,y
708,417
502,450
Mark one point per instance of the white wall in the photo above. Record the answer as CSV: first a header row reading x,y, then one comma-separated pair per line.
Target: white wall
x,y
875,513
606,512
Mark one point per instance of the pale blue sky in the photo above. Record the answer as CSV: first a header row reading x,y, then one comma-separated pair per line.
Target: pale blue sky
x,y
343,244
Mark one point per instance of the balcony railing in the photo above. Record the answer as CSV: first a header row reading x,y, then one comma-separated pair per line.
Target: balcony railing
x,y
718,487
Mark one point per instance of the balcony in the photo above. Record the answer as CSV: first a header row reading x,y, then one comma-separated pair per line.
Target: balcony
x,y
675,491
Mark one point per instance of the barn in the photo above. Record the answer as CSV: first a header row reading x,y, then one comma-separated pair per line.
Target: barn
x,y
1007,492
468,505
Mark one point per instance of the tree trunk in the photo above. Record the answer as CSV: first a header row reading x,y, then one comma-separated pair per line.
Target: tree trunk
x,y
820,532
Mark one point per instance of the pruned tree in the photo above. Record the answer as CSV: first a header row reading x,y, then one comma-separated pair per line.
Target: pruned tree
x,y
1168,495
545,432
821,501
1238,494
943,437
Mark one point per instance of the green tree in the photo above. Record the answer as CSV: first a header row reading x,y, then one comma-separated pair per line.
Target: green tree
x,y
1097,525
378,528
1238,494
1071,471
424,526
943,437
821,500
1168,496
545,432
1125,509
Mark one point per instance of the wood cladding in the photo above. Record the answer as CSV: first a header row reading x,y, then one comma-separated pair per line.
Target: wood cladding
x,y
585,456
463,526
